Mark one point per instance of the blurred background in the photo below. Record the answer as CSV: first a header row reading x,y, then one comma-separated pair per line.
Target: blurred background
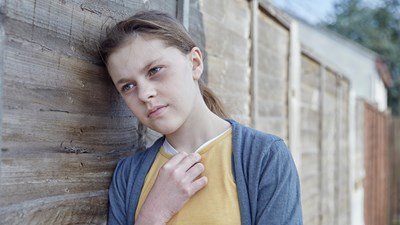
x,y
375,25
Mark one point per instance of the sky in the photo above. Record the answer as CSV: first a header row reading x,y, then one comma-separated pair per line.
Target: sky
x,y
313,11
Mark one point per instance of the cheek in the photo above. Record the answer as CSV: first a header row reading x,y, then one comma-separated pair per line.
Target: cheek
x,y
133,104
185,79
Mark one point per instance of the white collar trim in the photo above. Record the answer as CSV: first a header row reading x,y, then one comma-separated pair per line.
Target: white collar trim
x,y
172,151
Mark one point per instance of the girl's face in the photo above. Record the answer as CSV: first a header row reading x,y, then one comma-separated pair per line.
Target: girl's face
x,y
158,83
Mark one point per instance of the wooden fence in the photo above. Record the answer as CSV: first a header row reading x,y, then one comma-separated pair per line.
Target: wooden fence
x,y
324,146
377,192
64,127
395,170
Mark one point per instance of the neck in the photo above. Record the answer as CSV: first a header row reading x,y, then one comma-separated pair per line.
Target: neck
x,y
201,127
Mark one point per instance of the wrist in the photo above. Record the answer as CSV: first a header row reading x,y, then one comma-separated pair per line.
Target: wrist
x,y
146,217
141,220
148,221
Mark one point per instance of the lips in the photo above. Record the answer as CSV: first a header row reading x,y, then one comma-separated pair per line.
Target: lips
x,y
156,111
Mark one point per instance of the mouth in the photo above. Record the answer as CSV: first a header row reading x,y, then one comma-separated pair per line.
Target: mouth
x,y
156,111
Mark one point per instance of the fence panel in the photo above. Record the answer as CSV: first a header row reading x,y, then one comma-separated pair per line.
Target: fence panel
x,y
63,124
228,52
328,148
343,157
376,167
310,136
395,170
273,51
324,145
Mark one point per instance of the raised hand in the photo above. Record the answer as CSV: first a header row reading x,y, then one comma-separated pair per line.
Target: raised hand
x,y
176,182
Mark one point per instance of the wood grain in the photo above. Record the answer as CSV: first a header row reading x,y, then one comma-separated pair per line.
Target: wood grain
x,y
64,126
325,144
227,44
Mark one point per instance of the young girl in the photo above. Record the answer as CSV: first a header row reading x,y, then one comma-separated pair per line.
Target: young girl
x,y
205,169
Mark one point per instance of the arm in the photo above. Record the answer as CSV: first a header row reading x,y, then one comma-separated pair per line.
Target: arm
x,y
116,197
279,188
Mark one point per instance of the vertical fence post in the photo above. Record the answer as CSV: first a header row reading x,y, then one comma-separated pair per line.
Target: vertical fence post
x,y
2,38
182,12
294,94
254,63
322,90
337,152
395,170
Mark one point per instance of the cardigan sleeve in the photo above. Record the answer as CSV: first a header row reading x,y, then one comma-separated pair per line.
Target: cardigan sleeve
x,y
126,184
278,200
116,196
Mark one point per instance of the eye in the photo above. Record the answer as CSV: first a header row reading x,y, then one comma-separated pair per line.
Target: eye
x,y
127,87
154,70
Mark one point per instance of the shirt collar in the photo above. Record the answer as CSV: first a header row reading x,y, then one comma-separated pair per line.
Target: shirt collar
x,y
172,151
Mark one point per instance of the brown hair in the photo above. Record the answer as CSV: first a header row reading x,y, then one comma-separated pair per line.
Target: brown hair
x,y
164,27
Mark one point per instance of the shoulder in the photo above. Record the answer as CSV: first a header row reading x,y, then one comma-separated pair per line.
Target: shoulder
x,y
251,139
266,176
132,164
254,148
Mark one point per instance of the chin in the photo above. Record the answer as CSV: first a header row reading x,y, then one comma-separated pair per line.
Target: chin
x,y
164,129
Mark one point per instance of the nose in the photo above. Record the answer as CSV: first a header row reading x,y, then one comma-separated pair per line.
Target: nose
x,y
146,91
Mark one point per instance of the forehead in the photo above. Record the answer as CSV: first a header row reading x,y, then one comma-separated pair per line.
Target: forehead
x,y
137,53
138,47
138,50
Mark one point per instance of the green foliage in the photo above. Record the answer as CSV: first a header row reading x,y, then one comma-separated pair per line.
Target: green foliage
x,y
376,27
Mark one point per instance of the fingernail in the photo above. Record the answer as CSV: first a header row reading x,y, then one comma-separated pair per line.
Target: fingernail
x,y
197,155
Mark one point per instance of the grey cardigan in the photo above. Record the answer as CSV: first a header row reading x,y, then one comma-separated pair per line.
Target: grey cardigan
x,y
265,174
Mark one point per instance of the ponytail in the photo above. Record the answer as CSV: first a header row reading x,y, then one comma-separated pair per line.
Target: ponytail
x,y
211,100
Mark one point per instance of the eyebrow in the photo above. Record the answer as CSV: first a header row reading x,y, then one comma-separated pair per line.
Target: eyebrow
x,y
123,80
144,69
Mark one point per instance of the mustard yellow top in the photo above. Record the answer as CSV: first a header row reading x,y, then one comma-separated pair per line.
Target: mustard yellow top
x,y
217,203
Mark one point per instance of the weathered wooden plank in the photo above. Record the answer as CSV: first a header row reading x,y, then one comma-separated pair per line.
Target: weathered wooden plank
x,y
308,72
73,177
63,126
376,167
274,125
343,147
61,82
85,208
395,170
229,19
229,73
329,147
225,76
272,90
225,62
76,25
310,136
48,92
218,46
273,50
196,25
271,109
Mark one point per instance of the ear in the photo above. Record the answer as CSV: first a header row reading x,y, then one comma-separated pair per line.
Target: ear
x,y
197,62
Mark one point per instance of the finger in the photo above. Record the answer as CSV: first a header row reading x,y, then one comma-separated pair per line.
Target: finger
x,y
176,159
198,185
189,161
194,172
